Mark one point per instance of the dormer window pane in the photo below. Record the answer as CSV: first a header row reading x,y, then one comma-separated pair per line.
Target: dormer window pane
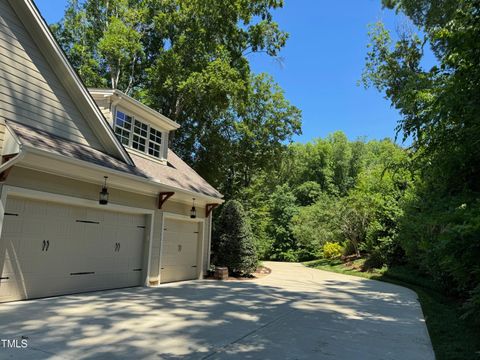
x,y
155,143
140,129
139,139
138,143
155,136
123,126
154,149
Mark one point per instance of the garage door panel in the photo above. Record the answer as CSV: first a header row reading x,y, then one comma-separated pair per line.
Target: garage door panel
x,y
33,225
31,245
179,250
78,213
15,205
12,224
82,282
177,273
81,254
35,209
135,264
9,266
58,211
61,231
9,290
92,238
35,285
121,264
135,277
131,220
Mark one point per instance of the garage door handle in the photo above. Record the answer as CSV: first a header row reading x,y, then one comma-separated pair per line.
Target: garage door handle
x,y
194,265
44,243
48,245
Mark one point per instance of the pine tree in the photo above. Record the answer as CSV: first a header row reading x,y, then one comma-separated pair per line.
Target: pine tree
x,y
235,247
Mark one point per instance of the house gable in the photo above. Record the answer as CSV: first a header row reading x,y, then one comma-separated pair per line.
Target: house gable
x,y
39,88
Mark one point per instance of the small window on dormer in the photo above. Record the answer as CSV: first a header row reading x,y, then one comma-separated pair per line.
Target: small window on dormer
x,y
123,127
140,132
138,135
155,143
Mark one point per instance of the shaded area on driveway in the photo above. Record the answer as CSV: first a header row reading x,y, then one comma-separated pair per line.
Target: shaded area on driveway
x,y
294,313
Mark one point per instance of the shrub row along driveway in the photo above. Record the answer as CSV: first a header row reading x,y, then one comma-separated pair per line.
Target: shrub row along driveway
x,y
294,313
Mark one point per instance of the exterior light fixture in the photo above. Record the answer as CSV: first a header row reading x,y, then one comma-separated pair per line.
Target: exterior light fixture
x,y
103,196
193,211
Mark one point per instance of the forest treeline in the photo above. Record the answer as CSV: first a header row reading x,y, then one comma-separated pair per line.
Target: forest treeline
x,y
418,205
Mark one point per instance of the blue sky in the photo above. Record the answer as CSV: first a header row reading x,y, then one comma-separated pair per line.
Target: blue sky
x,y
321,65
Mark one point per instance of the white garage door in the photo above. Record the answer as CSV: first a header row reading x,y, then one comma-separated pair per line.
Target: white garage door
x,y
51,249
180,250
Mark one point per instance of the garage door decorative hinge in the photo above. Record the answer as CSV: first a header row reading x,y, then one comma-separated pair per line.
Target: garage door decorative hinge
x,y
164,196
83,273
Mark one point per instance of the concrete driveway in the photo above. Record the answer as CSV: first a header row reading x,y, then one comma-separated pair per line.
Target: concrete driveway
x,y
294,313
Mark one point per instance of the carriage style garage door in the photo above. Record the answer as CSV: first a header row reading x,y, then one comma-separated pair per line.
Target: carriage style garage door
x,y
51,249
180,250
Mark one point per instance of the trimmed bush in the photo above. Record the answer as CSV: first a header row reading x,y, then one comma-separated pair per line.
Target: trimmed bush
x,y
234,245
332,250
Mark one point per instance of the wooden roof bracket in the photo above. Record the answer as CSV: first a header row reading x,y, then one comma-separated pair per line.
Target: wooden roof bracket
x,y
164,196
209,208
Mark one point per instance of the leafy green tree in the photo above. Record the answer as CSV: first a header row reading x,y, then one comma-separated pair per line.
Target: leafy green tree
x,y
308,193
75,36
103,40
189,59
233,242
248,140
282,209
366,217
315,225
341,158
440,108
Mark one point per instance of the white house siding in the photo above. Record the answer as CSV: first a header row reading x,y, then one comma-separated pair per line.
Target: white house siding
x,y
104,106
30,92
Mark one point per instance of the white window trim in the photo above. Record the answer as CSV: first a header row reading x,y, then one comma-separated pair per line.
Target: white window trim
x,y
163,145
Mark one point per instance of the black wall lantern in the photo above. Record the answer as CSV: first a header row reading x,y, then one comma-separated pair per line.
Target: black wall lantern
x,y
103,196
193,211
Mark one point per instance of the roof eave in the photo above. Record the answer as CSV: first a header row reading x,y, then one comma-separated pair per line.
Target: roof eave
x,y
168,123
137,179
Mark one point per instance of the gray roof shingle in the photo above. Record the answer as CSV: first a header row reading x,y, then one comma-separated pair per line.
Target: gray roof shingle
x,y
176,173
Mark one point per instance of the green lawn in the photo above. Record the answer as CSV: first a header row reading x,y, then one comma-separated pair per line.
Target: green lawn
x,y
452,337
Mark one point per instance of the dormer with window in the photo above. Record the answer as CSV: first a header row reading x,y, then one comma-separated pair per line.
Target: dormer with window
x,y
139,128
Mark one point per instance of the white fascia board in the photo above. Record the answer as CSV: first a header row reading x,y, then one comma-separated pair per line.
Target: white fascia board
x,y
153,186
39,31
129,103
